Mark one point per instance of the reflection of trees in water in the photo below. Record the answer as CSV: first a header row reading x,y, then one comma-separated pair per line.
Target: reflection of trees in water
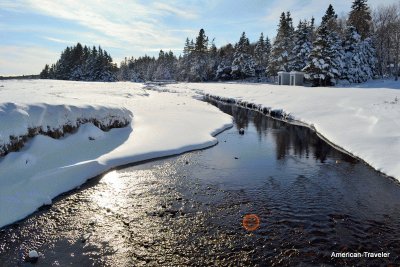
x,y
241,116
261,125
289,139
300,141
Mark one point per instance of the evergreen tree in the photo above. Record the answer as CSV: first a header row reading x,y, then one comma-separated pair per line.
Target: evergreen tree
x,y
225,56
260,56
243,64
360,18
45,74
326,58
201,44
199,62
353,56
360,59
82,64
268,48
302,46
368,65
283,44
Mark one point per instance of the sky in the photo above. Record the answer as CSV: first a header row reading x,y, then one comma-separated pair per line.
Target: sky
x,y
34,32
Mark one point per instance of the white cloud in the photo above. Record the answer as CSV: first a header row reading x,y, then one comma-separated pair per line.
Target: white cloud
x,y
18,60
127,24
184,13
56,40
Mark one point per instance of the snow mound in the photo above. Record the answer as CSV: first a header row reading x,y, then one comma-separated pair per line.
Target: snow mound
x,y
22,121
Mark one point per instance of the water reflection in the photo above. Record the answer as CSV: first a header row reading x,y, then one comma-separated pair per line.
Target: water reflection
x,y
289,139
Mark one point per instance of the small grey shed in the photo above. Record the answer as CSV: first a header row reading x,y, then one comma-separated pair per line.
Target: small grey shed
x,y
283,78
296,78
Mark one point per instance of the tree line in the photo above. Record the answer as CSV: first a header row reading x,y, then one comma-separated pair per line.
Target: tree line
x,y
352,48
80,63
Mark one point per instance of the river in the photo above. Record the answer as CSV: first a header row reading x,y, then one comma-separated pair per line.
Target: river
x,y
187,210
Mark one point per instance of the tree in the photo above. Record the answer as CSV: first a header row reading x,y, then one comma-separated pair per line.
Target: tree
x,y
387,40
243,64
82,64
225,56
302,46
45,72
353,56
201,44
360,18
199,62
283,44
261,55
326,58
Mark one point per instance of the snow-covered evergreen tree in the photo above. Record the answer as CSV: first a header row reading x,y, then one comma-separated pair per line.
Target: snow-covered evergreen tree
x,y
83,64
360,59
268,48
226,56
199,62
302,46
243,64
259,55
326,58
369,62
283,44
353,55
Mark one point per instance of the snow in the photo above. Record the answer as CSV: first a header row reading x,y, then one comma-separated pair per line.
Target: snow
x,y
33,254
363,122
163,124
169,120
16,119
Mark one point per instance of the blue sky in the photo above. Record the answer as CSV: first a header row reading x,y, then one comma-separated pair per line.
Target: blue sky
x,y
34,32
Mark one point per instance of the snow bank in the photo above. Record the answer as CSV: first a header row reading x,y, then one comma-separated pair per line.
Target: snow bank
x,y
163,124
22,121
364,122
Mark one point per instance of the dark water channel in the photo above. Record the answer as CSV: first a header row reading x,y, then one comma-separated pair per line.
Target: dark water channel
x,y
187,210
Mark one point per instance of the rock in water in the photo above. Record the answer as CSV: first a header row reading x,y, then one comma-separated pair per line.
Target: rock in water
x,y
241,131
33,256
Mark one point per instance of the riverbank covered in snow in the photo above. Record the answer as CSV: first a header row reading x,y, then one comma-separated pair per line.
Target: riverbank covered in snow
x,y
364,121
20,122
163,124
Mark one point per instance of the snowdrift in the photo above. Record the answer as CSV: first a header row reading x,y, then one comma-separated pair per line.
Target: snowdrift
x,y
19,122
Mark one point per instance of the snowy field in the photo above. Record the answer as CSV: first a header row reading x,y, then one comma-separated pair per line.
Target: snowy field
x,y
163,124
363,120
165,121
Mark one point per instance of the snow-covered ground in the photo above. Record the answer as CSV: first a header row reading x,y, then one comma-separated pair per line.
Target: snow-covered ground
x,y
364,121
163,124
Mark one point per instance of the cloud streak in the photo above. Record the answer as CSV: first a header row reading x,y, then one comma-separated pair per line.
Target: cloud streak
x,y
18,60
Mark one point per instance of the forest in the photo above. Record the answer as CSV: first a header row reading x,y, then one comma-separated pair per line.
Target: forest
x,y
360,46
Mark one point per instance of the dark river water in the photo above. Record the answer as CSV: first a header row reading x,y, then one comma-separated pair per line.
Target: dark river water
x,y
187,210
